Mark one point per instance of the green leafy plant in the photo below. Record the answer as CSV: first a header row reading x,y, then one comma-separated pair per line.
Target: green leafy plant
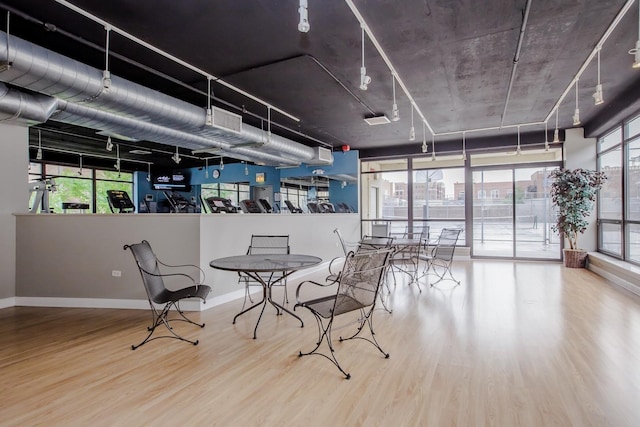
x,y
573,192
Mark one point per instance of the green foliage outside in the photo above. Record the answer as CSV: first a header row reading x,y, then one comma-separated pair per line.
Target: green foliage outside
x,y
76,185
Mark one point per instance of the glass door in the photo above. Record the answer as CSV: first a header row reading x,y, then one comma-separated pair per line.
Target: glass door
x,y
493,213
512,214
534,215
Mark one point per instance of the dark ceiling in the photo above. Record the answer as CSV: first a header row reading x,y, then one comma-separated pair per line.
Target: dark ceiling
x,y
454,56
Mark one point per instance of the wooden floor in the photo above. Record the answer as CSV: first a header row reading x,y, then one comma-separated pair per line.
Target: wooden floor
x,y
516,344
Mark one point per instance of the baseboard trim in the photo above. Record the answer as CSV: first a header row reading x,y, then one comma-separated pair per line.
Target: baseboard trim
x,y
7,302
139,304
615,271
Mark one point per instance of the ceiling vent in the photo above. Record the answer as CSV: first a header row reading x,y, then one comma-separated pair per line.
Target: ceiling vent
x,y
227,120
322,156
377,120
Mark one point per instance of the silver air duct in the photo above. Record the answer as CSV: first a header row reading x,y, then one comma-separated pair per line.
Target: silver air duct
x,y
130,109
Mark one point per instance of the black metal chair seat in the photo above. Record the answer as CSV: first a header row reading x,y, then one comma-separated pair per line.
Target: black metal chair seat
x,y
200,291
157,292
332,305
357,288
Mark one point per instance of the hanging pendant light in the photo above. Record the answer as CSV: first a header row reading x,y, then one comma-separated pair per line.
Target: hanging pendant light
x,y
412,131
597,95
424,138
518,150
556,132
395,114
221,164
148,172
464,147
433,147
106,74
176,157
364,78
39,152
209,118
546,137
206,168
576,114
80,171
303,24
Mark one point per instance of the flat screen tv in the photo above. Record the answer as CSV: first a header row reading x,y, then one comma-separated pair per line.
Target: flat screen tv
x,y
176,181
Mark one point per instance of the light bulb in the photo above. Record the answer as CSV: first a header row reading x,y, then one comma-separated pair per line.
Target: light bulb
x,y
556,136
395,114
412,134
106,81
303,25
576,117
39,154
425,148
221,164
597,95
364,79
109,146
209,119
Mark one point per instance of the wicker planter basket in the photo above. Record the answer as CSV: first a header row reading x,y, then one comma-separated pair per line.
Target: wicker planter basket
x,y
575,258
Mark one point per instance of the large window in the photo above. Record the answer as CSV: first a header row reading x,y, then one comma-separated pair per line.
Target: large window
x,y
406,194
619,198
110,180
233,192
78,186
297,196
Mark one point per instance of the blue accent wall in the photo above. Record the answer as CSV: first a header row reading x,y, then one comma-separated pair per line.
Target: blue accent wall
x,y
345,165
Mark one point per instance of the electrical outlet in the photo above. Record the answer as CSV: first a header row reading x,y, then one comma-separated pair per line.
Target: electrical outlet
x,y
116,273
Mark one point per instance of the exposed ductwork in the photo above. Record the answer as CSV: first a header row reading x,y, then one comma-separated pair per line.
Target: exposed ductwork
x,y
72,92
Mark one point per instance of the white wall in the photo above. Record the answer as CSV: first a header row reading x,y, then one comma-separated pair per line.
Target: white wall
x,y
14,140
580,152
309,234
67,260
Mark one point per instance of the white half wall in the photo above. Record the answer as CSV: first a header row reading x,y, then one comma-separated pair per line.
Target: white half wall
x,y
68,260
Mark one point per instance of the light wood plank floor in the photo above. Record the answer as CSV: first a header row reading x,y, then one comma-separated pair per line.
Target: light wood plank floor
x,y
517,344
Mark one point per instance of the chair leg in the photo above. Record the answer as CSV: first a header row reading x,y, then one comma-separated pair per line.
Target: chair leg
x,y
185,318
441,270
366,318
161,319
324,334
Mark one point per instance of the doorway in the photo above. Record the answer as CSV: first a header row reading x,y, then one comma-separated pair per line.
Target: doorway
x,y
512,214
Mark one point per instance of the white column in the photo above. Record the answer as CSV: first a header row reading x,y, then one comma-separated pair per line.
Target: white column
x,y
580,152
14,162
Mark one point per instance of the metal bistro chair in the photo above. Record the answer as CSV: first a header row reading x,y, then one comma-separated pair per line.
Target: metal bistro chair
x,y
405,259
440,258
357,289
346,247
157,293
263,244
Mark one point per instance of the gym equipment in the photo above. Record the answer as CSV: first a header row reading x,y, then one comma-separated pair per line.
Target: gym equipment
x,y
42,188
291,207
250,206
178,203
119,201
220,205
265,205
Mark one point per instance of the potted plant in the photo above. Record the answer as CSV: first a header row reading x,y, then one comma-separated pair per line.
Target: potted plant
x,y
573,192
